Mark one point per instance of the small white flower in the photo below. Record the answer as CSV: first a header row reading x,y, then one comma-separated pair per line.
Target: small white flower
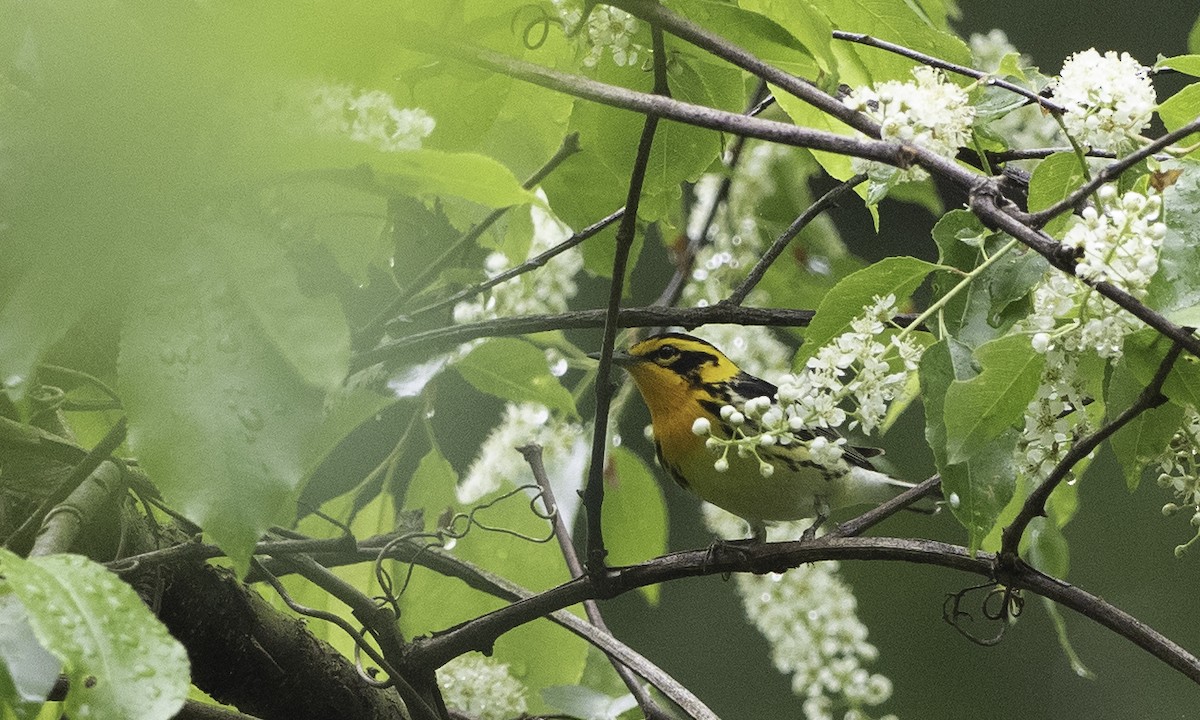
x,y
809,617
369,116
701,427
545,290
481,687
721,464
928,112
1108,98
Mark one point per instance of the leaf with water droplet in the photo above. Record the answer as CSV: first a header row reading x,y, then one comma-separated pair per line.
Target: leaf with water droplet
x,y
120,661
207,435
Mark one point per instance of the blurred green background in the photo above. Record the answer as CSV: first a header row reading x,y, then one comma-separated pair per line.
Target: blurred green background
x,y
1121,544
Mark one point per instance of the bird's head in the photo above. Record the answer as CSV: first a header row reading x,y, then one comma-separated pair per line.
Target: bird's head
x,y
667,366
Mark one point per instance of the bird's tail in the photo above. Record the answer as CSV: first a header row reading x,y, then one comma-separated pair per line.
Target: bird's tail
x,y
872,486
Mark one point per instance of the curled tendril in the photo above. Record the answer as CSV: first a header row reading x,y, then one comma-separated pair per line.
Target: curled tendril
x,y
452,529
541,21
999,604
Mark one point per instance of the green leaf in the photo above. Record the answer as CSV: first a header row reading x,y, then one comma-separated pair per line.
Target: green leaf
x,y
309,332
1148,434
1186,64
515,370
978,489
216,416
595,181
1180,109
634,514
44,305
1144,351
897,22
470,176
1048,552
335,212
898,276
808,26
1064,641
119,659
1053,180
980,409
27,671
756,33
1176,285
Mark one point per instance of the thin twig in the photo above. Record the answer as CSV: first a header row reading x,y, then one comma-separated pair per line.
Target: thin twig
x,y
931,61
65,520
593,493
869,519
1108,174
450,336
1035,505
21,538
813,211
533,456
687,258
532,263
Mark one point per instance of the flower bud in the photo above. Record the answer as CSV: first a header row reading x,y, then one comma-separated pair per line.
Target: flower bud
x,y
701,426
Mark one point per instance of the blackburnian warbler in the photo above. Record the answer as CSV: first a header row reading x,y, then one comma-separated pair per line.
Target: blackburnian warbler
x,y
690,386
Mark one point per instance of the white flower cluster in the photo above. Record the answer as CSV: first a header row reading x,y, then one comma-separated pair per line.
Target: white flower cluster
x,y
564,453
1118,242
608,29
854,367
1108,98
481,687
929,112
809,617
1179,470
1025,127
1055,418
545,290
369,116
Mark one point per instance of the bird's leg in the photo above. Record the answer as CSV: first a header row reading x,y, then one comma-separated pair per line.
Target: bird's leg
x,y
822,508
758,536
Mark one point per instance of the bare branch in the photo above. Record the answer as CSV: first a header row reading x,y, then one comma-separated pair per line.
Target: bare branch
x,y
1108,174
533,455
593,492
813,211
931,61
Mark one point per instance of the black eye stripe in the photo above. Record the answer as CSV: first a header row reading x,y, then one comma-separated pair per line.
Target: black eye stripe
x,y
689,362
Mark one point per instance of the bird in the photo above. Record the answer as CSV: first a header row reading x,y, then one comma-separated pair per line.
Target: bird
x,y
683,378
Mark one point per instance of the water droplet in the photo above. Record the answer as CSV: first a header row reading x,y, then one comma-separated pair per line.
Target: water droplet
x,y
251,419
228,343
955,501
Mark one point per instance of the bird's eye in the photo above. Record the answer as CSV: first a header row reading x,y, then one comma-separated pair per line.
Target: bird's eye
x,y
666,353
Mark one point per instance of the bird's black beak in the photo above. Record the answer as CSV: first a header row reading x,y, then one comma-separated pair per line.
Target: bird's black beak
x,y
620,358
